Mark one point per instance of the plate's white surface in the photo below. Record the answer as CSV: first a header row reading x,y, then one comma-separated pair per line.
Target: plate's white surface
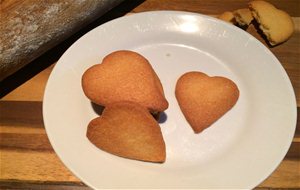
x,y
238,151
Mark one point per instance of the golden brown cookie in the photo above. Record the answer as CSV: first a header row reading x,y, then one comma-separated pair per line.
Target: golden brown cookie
x,y
243,16
228,17
127,129
124,76
203,99
276,24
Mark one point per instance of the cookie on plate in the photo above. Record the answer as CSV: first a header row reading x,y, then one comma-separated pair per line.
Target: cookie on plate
x,y
204,99
124,76
127,129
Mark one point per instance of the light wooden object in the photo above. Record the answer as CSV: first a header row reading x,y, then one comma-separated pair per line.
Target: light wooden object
x,y
28,28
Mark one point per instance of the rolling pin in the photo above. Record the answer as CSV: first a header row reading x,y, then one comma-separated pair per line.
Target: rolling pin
x,y
28,28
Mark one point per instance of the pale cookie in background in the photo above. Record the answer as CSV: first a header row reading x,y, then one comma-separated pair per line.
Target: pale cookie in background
x,y
124,76
203,99
243,16
228,17
128,130
276,24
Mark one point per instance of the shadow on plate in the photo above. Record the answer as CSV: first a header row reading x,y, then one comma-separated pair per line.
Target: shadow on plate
x,y
161,117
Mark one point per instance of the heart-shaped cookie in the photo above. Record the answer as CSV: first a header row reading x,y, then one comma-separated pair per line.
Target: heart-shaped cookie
x,y
203,99
127,129
276,24
124,76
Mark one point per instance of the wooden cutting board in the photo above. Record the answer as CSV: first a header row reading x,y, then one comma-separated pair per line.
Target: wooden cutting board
x,y
28,28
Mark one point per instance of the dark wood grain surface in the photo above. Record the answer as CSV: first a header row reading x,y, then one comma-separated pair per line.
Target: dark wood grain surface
x,y
27,159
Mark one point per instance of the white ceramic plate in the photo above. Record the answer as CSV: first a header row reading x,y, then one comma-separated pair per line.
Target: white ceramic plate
x,y
238,151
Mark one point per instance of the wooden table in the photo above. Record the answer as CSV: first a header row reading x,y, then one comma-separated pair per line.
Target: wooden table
x,y
27,158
